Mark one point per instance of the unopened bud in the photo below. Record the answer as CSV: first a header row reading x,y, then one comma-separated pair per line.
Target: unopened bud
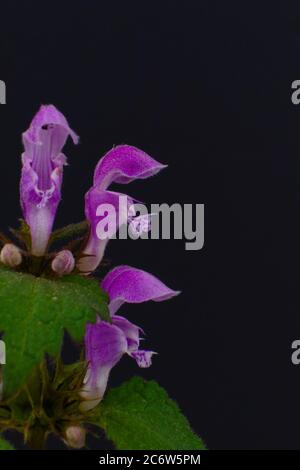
x,y
75,437
63,263
10,255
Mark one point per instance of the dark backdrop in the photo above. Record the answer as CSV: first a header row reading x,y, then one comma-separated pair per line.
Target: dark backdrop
x,y
204,87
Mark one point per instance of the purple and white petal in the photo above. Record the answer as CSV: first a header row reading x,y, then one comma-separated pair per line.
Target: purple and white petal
x,y
143,358
123,164
140,225
131,331
132,285
48,116
106,212
105,344
42,172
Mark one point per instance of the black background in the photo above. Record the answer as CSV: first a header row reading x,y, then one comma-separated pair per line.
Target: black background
x,y
206,88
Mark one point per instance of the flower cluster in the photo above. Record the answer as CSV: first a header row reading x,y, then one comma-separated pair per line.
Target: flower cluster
x,y
40,191
106,343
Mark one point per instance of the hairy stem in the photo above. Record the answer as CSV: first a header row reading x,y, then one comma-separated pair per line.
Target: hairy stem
x,y
37,438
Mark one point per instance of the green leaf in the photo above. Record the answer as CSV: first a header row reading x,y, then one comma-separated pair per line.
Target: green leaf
x,y
139,415
4,445
34,312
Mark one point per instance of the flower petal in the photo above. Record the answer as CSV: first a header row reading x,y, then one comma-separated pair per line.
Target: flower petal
x,y
106,212
42,171
143,358
140,225
123,164
132,285
105,344
48,115
131,331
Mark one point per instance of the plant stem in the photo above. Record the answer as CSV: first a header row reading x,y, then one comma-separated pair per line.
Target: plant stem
x,y
37,438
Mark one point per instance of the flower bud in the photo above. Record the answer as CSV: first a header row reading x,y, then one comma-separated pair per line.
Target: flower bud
x,y
63,263
10,255
75,437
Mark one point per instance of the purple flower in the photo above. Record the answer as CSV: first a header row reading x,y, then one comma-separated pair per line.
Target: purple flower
x,y
106,212
106,343
42,171
122,164
125,284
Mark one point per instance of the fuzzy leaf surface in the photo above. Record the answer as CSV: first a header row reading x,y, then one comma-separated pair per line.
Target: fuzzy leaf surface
x,y
34,312
139,415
